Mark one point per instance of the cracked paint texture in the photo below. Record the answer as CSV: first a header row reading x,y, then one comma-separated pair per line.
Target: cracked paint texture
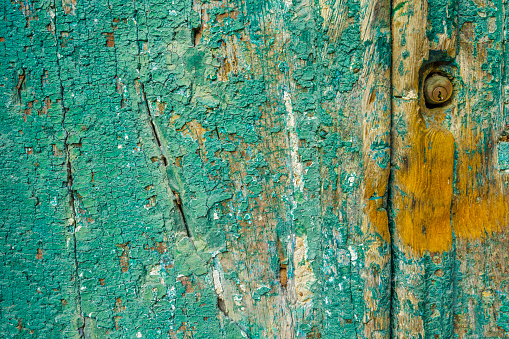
x,y
221,169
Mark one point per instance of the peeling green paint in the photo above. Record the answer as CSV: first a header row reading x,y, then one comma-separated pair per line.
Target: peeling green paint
x,y
197,169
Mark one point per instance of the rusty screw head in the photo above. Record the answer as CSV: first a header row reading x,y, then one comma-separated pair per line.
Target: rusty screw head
x,y
437,89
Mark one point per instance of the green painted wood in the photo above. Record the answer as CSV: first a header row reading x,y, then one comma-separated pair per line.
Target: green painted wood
x,y
480,210
449,187
221,169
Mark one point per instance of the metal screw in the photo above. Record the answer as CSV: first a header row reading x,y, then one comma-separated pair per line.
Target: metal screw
x,y
437,89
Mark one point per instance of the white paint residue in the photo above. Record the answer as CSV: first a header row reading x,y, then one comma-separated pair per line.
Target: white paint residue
x,y
294,144
412,95
78,228
155,270
351,180
217,283
237,299
353,254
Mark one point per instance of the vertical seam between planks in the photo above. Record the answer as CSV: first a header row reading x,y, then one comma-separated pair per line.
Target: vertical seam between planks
x,y
453,264
503,81
391,179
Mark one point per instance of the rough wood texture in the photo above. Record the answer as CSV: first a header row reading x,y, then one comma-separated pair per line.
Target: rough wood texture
x,y
449,187
222,169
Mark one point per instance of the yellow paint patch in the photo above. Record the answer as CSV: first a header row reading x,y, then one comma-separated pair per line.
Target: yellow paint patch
x,y
374,208
423,208
480,206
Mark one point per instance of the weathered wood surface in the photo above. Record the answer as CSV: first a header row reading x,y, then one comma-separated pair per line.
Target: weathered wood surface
x,y
449,188
221,169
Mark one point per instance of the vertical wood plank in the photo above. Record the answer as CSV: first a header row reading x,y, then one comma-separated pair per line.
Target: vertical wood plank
x,y
302,257
480,208
374,236
38,280
449,186
423,151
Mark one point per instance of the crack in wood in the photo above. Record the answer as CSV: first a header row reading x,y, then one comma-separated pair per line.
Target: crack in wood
x,y
153,127
178,204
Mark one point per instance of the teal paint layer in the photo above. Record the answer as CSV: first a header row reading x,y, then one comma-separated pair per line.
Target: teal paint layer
x,y
161,185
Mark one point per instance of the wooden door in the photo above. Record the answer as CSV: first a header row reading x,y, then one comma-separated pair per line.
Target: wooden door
x,y
253,169
449,173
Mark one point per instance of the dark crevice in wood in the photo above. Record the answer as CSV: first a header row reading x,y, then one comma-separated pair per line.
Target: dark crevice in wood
x,y
21,82
283,268
221,306
178,204
81,330
176,196
153,126
283,275
197,33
